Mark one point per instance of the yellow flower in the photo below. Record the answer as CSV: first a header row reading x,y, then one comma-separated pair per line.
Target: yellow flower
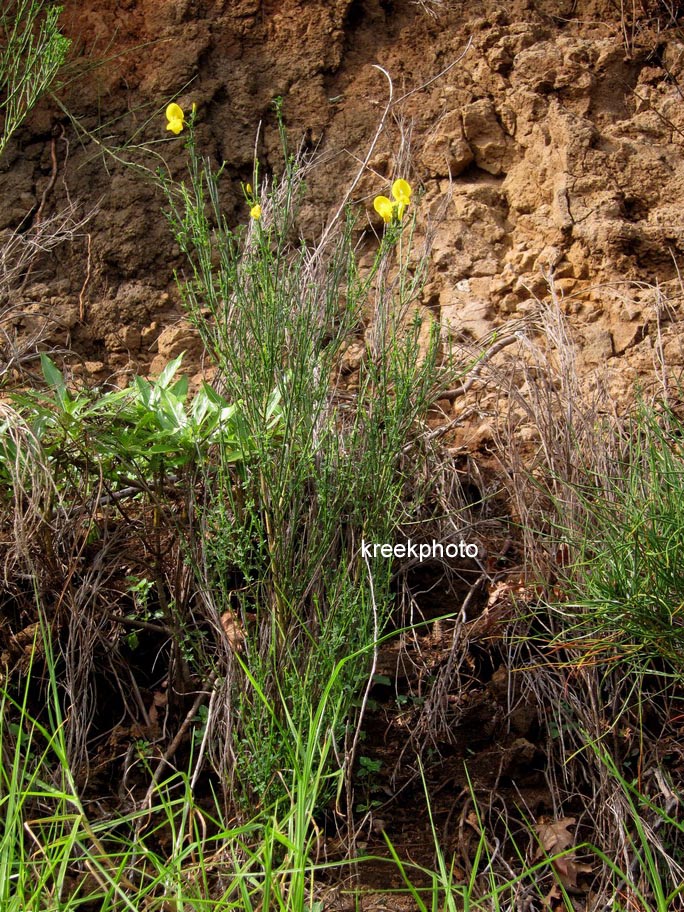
x,y
384,208
255,211
401,191
387,209
248,189
175,117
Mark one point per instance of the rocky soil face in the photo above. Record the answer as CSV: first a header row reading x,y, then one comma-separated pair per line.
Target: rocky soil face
x,y
547,140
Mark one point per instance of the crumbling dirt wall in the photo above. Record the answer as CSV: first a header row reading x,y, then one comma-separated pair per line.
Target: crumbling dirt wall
x,y
548,136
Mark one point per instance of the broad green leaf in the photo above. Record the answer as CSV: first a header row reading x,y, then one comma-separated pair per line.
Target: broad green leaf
x,y
201,405
215,397
54,378
180,388
144,390
170,411
231,454
166,376
273,407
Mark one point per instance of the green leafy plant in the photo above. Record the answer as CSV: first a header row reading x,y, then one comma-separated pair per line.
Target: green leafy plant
x,y
284,526
144,432
624,586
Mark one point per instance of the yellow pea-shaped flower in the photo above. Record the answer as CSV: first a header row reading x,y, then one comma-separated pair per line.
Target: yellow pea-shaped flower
x,y
255,211
175,118
401,191
384,208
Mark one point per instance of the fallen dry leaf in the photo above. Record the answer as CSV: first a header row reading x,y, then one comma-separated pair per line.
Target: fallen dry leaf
x,y
233,629
569,870
554,838
160,700
553,898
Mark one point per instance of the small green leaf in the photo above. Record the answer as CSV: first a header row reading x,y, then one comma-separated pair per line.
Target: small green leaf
x,y
381,679
369,765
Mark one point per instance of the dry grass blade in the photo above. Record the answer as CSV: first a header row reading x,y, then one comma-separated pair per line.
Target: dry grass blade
x,y
559,440
35,495
19,252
